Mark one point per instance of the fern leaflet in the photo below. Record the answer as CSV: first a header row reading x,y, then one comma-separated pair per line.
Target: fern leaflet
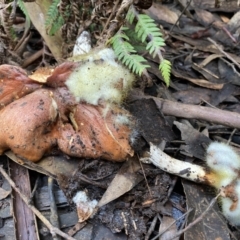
x,y
125,53
54,20
146,28
165,68
130,16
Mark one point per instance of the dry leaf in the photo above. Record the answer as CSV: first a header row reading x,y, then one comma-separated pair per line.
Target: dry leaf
x,y
4,193
160,12
123,182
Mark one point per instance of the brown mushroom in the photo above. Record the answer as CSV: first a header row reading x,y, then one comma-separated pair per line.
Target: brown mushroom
x,y
95,132
61,74
14,84
27,125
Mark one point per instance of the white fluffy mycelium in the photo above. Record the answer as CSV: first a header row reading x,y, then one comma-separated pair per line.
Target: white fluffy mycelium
x,y
224,164
230,208
224,161
99,77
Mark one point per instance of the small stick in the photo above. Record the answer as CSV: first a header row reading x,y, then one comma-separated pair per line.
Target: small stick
x,y
152,227
53,207
223,52
52,229
32,58
198,219
164,230
33,191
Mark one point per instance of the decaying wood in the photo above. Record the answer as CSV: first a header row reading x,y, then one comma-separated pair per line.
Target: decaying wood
x,y
52,229
24,217
54,219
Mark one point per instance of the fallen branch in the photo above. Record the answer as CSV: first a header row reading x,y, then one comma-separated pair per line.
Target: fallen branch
x,y
52,229
177,109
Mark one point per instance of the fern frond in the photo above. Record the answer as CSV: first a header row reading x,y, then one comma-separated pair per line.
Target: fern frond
x,y
165,68
125,53
130,16
56,26
54,20
146,28
154,45
147,32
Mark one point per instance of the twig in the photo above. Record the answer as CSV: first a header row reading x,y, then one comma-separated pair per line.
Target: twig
x,y
163,231
231,65
33,191
188,4
152,227
32,58
198,219
223,52
53,208
229,34
177,109
230,137
110,17
52,229
149,190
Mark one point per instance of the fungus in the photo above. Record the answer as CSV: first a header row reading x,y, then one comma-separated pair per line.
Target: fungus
x,y
93,77
27,125
85,207
14,84
91,135
222,172
77,109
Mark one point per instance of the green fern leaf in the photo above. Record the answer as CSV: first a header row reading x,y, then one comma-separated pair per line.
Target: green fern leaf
x,y
143,25
154,45
125,53
147,32
165,68
146,28
54,20
56,26
130,16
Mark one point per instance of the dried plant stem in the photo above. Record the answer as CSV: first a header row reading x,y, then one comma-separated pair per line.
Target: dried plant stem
x,y
223,52
52,229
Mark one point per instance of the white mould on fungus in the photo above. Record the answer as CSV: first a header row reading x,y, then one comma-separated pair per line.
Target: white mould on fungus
x,y
99,77
231,207
224,162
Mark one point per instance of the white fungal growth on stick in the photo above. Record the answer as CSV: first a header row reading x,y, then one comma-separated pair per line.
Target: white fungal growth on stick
x,y
222,172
